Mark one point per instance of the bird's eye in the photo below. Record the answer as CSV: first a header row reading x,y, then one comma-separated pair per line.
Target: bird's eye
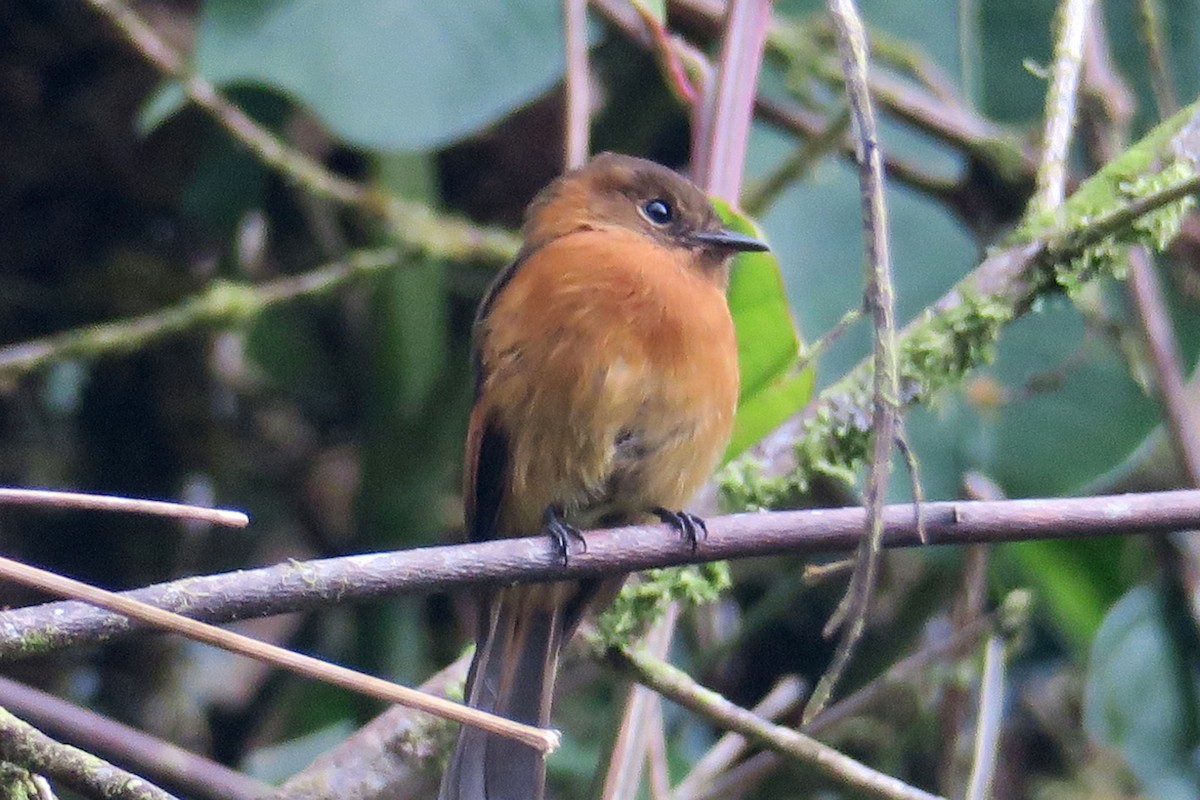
x,y
658,211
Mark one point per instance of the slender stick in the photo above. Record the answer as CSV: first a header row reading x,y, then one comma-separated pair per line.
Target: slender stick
x,y
641,712
1165,359
306,585
1060,106
880,300
720,158
578,103
1151,33
783,698
987,727
103,502
544,740
677,685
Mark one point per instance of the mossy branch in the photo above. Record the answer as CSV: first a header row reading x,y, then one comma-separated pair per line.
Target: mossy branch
x,y
677,685
24,745
1140,197
223,303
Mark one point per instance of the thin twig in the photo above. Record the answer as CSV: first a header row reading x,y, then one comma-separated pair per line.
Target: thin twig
x,y
623,777
672,54
578,102
880,300
306,585
159,760
1071,24
544,740
26,746
987,727
51,498
719,155
783,699
1179,412
678,686
758,766
1151,33
220,304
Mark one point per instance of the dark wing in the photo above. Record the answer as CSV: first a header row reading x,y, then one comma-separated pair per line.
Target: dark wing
x,y
484,475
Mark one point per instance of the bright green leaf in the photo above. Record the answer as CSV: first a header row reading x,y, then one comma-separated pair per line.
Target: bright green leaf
x,y
768,345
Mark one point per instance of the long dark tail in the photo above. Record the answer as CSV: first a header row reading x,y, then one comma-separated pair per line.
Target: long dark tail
x,y
521,633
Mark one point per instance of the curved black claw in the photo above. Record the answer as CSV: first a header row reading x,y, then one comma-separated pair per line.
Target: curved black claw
x,y
691,527
562,532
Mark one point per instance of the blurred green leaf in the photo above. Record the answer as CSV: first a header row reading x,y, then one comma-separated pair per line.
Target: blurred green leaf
x,y
379,73
1079,580
655,8
1140,695
768,344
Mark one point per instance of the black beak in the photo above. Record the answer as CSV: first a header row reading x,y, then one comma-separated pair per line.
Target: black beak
x,y
730,240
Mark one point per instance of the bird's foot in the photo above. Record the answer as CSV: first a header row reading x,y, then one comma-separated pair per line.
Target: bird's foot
x,y
562,532
691,527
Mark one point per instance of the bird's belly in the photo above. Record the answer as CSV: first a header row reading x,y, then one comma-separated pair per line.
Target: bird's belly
x,y
635,440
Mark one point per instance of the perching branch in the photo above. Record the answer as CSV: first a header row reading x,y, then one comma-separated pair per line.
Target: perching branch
x,y
307,585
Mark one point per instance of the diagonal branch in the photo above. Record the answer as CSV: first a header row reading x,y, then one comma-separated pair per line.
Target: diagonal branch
x,y
677,685
25,746
413,224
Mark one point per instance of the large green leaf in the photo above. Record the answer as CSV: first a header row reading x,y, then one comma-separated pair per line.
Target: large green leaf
x,y
772,387
384,74
1140,696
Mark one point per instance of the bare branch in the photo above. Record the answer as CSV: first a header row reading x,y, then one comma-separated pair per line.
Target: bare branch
x,y
104,502
307,585
719,155
987,727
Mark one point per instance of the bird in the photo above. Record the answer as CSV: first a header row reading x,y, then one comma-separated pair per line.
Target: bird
x,y
606,382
